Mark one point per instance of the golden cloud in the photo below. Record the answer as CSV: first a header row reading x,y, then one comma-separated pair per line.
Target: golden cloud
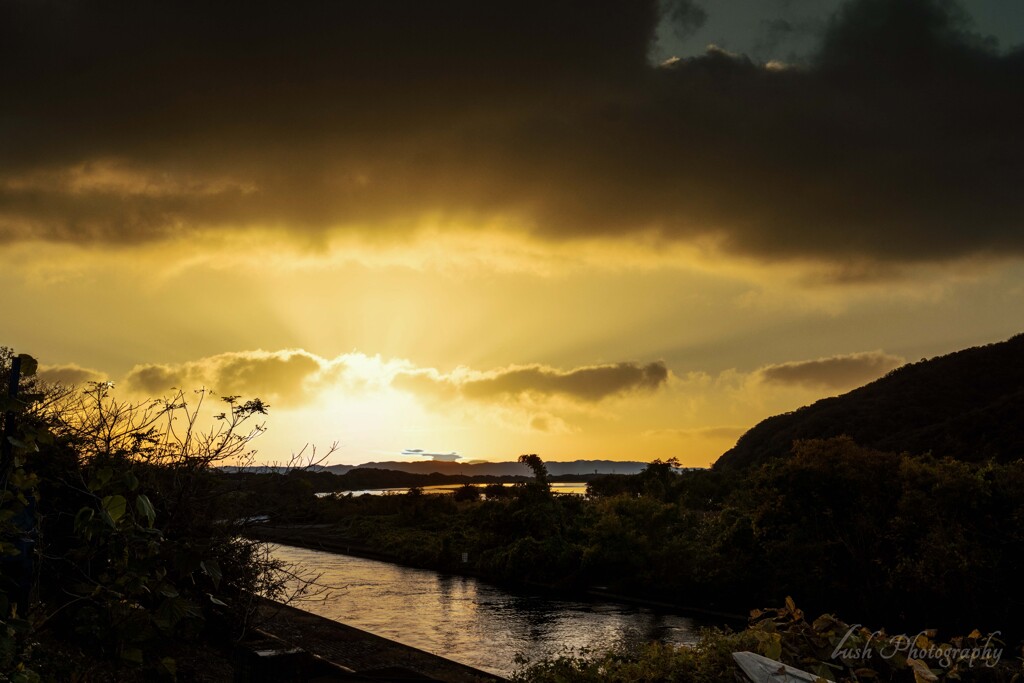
x,y
585,384
834,372
69,375
275,376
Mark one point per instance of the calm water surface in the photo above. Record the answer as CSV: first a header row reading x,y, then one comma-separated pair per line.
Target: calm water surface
x,y
574,487
470,621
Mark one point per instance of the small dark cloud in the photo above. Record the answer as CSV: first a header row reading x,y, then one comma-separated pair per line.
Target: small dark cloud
x,y
837,372
69,375
128,122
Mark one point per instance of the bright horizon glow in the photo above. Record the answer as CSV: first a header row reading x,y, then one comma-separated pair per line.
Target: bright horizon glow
x,y
455,323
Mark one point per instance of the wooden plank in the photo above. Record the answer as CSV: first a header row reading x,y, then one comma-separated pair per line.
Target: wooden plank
x,y
763,670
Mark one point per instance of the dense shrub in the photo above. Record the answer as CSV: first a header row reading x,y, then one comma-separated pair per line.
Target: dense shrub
x,y
827,647
117,540
881,537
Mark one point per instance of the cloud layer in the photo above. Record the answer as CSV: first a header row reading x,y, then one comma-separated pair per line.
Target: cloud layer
x,y
275,376
691,414
290,377
134,122
70,374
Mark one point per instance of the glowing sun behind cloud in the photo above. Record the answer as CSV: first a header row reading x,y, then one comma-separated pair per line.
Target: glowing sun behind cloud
x,y
538,239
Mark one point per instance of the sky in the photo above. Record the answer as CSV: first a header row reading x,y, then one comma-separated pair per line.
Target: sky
x,y
625,230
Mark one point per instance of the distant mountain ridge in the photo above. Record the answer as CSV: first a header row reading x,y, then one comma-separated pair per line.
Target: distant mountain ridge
x,y
499,468
489,469
967,405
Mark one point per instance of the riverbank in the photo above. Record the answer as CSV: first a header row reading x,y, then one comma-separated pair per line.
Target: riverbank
x,y
317,537
320,537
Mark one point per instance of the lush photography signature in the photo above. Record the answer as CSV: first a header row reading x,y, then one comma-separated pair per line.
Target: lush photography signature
x,y
985,652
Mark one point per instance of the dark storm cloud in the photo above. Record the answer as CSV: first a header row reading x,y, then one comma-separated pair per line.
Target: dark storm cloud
x,y
684,16
837,372
135,121
587,384
781,37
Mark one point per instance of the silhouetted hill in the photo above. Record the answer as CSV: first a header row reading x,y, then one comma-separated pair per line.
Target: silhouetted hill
x,y
967,405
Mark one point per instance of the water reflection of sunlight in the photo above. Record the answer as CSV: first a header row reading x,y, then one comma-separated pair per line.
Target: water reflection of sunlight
x,y
471,621
560,487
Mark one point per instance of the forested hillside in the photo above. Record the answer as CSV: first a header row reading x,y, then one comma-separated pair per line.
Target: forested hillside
x,y
966,405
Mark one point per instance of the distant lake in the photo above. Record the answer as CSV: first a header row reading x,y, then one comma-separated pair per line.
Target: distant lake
x,y
471,621
573,487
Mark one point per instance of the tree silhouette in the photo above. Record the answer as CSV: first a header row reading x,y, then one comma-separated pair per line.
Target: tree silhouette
x,y
540,470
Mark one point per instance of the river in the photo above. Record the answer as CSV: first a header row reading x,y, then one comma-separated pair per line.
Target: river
x,y
573,487
471,621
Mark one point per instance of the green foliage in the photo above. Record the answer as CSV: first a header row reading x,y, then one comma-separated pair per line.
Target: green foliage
x,y
466,493
891,538
131,549
22,436
539,469
833,649
827,647
497,492
881,535
707,661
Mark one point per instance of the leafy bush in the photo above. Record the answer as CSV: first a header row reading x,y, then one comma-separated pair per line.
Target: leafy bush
x,y
826,647
707,661
119,507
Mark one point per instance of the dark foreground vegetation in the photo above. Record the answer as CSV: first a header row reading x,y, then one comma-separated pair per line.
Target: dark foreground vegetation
x,y
825,647
905,542
879,537
119,563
